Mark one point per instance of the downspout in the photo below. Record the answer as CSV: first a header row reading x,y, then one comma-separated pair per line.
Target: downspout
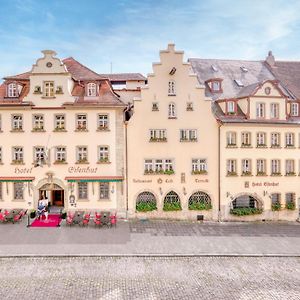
x,y
219,171
126,167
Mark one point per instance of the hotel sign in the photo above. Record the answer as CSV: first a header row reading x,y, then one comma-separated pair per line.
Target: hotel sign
x,y
261,184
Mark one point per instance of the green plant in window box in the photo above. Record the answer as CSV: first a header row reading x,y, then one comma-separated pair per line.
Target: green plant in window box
x,y
173,206
38,129
146,206
59,128
82,160
245,211
37,90
231,145
103,127
276,206
103,160
261,146
169,172
17,161
200,206
199,172
246,145
276,174
261,173
60,161
231,173
290,205
231,113
183,139
290,174
246,173
193,139
147,172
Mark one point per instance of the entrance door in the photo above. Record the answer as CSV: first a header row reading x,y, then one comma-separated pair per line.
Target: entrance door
x,y
58,198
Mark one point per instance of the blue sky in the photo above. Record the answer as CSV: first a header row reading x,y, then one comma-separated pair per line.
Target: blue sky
x,y
129,33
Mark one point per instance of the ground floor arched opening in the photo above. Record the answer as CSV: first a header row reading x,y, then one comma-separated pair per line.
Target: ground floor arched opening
x,y
54,193
146,201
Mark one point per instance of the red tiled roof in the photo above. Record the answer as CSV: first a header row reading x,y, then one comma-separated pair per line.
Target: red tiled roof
x,y
124,76
22,76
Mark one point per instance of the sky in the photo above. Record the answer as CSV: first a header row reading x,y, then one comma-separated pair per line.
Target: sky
x,y
128,34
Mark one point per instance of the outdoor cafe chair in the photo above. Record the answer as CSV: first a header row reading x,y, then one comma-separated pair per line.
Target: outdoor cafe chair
x,y
113,219
2,218
86,219
17,218
70,218
97,219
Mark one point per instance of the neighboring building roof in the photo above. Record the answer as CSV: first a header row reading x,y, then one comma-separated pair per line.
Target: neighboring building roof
x,y
125,77
22,76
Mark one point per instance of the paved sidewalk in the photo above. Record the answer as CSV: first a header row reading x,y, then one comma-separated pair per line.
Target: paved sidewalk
x,y
153,238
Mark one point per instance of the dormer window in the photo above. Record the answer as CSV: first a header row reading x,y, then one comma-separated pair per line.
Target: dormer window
x,y
215,85
171,88
12,90
294,109
230,107
91,90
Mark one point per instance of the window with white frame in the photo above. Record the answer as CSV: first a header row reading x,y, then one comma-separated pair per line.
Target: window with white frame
x,y
82,190
289,139
171,88
104,191
148,166
172,110
59,122
17,155
158,166
158,135
246,166
82,155
17,122
274,110
102,122
18,190
246,139
48,88
215,86
39,155
261,139
261,167
231,138
168,165
81,122
103,154
60,154
199,166
275,139
38,122
230,107
91,89
189,135
294,109
231,167
260,110
12,90
290,167
275,167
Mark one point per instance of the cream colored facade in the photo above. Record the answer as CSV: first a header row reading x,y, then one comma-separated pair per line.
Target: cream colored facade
x,y
172,101
58,176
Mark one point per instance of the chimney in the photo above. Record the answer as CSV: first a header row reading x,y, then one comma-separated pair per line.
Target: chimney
x,y
270,59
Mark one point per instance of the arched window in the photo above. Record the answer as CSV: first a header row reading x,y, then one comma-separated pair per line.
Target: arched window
x,y
199,201
12,90
245,205
171,88
146,201
91,89
172,202
172,110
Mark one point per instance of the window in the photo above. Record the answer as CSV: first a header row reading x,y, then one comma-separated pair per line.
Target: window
x,y
81,122
59,123
92,90
155,106
18,190
158,135
148,166
104,191
260,110
17,123
171,88
60,154
261,167
230,107
275,197
48,89
103,154
231,138
172,200
274,110
289,139
12,90
275,167
189,106
290,167
294,109
38,122
246,167
82,154
146,199
199,166
246,139
83,190
39,155
216,86
0,123
275,139
231,167
188,135
102,122
0,155
261,139
290,199
1,197
158,166
172,110
17,155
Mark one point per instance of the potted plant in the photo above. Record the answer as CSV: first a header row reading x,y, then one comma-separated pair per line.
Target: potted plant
x,y
276,206
290,205
32,213
63,215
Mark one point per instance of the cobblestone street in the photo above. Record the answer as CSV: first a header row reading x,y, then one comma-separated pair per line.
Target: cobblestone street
x,y
150,278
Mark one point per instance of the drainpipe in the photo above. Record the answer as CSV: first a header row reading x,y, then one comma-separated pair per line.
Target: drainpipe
x,y
126,167
219,171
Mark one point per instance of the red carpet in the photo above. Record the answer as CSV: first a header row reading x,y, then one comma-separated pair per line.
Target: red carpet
x,y
53,221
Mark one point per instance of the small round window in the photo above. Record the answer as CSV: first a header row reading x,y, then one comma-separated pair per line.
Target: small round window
x,y
267,90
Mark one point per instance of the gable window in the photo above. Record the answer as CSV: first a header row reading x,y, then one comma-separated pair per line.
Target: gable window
x,y
171,88
39,155
199,166
260,110
82,154
60,154
92,89
246,139
104,191
275,167
158,135
289,139
48,88
261,139
82,190
12,90
216,86
231,167
103,122
275,139
38,123
294,109
188,135
246,167
17,123
18,190
17,155
81,122
59,123
230,107
103,154
172,110
261,167
274,110
231,138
